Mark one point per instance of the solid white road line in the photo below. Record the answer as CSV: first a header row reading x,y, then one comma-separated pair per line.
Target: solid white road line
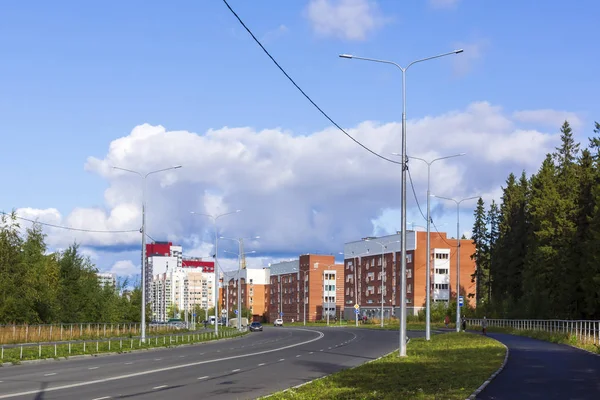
x,y
135,374
159,387
203,377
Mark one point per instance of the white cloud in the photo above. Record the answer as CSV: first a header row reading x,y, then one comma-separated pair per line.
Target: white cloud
x,y
125,268
291,190
473,53
346,19
548,118
443,3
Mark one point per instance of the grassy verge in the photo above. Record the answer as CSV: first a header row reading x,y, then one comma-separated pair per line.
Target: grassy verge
x,y
118,345
553,337
451,366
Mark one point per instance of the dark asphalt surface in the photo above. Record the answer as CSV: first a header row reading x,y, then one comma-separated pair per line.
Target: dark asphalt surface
x,y
543,370
242,368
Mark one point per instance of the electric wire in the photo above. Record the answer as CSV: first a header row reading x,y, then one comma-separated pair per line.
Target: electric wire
x,y
302,91
68,227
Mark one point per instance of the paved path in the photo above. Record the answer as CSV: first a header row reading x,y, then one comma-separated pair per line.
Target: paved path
x,y
242,368
543,370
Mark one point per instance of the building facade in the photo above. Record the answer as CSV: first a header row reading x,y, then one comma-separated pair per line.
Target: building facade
x,y
310,288
159,257
107,278
372,266
253,292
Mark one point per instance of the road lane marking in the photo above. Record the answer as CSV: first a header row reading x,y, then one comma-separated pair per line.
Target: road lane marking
x,y
171,368
261,364
181,356
102,398
159,387
128,363
93,368
157,359
203,377
298,356
282,359
50,374
311,352
236,370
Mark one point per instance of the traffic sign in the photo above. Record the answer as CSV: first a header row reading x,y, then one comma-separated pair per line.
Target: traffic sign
x,y
357,312
235,311
194,314
281,314
356,306
460,301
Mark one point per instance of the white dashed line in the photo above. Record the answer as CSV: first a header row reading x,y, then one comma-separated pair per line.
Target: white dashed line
x,y
311,352
236,370
203,377
159,387
157,359
102,398
128,363
50,374
298,356
181,356
261,364
201,354
329,348
93,368
282,359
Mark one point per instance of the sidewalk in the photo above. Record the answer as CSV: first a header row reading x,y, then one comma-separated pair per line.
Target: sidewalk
x,y
543,370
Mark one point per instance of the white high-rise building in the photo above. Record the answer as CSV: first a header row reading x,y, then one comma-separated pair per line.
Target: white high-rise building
x,y
107,278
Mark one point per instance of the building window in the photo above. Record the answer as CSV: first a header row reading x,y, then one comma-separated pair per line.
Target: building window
x,y
409,258
442,256
409,272
442,286
441,271
409,288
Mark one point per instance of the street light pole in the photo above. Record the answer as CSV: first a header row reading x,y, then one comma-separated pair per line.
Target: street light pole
x,y
428,278
402,339
458,202
239,280
143,232
216,288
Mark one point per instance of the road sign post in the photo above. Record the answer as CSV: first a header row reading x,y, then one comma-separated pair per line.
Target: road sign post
x,y
461,301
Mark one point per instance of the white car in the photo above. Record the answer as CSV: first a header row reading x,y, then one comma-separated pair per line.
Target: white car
x,y
278,322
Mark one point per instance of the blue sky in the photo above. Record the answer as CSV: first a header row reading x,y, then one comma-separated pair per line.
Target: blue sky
x,y
76,76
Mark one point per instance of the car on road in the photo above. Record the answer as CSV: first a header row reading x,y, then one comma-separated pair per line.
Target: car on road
x,y
278,322
255,326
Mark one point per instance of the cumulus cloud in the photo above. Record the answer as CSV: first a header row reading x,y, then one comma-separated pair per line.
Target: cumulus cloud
x,y
548,118
125,268
346,19
291,190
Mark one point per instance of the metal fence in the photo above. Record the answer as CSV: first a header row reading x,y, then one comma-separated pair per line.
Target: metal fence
x,y
584,331
60,332
22,351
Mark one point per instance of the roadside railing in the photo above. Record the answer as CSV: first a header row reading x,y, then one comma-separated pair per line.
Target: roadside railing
x,y
61,332
42,350
583,331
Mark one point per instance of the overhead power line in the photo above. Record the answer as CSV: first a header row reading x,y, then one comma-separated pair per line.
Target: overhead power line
x,y
302,91
68,228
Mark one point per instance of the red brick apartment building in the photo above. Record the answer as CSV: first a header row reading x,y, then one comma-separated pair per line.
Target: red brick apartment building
x,y
308,289
254,291
364,259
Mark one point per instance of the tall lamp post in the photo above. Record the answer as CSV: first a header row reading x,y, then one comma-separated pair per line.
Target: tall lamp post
x,y
143,231
239,281
402,339
214,219
458,202
428,278
239,298
383,271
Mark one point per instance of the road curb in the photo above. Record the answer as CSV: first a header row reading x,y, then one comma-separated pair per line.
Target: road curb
x,y
112,353
323,377
473,396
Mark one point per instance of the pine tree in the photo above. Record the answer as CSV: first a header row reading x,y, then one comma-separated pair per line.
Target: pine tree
x,y
481,256
493,221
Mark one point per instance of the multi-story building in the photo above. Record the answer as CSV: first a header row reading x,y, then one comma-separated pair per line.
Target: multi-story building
x,y
309,288
372,261
107,278
253,290
201,284
170,294
159,257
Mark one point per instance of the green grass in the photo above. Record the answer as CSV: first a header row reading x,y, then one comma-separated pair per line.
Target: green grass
x,y
450,366
553,337
118,345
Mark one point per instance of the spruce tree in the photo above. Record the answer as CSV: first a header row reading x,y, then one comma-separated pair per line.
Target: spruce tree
x,y
480,238
493,221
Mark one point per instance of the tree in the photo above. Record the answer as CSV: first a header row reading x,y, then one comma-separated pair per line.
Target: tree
x,y
493,221
481,256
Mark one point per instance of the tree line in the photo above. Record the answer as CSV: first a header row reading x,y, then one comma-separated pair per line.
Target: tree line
x,y
538,251
37,287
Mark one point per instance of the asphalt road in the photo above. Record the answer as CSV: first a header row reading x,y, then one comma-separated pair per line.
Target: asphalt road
x,y
543,370
242,368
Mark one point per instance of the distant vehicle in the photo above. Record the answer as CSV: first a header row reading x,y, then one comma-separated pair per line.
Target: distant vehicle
x,y
278,322
255,326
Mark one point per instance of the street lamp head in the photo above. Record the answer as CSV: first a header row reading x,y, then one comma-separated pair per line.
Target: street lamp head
x,y
462,154
346,56
458,51
237,211
177,166
256,237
